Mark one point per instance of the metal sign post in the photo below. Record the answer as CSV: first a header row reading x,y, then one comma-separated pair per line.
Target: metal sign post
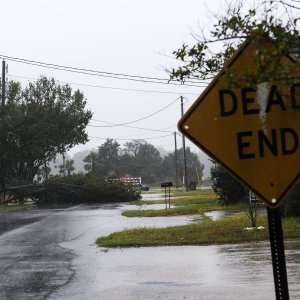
x,y
278,256
166,197
167,185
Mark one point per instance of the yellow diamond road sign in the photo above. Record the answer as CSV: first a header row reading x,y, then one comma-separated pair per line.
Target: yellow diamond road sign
x,y
253,131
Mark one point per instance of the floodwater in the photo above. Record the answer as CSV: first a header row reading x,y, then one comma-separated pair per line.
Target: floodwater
x,y
55,257
152,196
241,271
217,214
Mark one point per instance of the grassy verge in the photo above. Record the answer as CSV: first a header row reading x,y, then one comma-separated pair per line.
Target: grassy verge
x,y
184,198
228,230
7,208
179,201
195,202
182,210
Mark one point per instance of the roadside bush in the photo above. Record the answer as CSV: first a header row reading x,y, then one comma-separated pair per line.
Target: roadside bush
x,y
85,189
228,189
292,202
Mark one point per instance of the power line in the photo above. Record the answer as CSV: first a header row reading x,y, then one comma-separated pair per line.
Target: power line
x,y
112,88
143,118
144,79
127,139
128,126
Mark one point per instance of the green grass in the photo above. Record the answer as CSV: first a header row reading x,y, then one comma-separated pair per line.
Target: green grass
x,y
202,200
228,230
184,198
182,210
203,193
8,208
197,202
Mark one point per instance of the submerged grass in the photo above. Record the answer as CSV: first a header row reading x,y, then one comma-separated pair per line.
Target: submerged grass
x,y
228,230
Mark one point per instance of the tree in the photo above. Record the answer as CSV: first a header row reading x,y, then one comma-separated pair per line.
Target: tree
x,y
274,20
39,122
144,160
194,166
148,159
69,166
167,168
43,172
107,158
291,202
228,189
90,163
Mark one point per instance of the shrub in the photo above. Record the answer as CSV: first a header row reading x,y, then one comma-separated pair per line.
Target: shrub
x,y
85,189
292,202
228,189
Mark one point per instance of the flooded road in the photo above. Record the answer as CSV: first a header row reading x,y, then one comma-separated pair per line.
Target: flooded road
x,y
54,257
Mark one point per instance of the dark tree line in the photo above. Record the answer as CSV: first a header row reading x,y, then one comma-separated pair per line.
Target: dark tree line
x,y
141,159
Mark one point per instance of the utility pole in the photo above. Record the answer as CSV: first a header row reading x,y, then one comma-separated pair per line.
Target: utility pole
x,y
176,160
184,153
64,164
3,84
2,197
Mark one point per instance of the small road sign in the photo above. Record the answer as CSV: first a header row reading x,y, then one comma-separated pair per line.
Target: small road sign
x,y
166,184
253,131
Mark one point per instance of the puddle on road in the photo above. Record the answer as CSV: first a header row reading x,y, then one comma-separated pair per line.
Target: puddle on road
x,y
159,197
147,197
214,215
217,214
152,206
234,272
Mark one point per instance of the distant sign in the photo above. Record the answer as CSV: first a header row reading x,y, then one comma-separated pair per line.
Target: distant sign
x,y
166,184
253,131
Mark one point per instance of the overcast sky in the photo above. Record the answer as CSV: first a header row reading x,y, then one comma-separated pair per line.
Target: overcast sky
x,y
134,37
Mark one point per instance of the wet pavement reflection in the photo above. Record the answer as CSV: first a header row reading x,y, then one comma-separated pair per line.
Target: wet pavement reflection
x,y
55,257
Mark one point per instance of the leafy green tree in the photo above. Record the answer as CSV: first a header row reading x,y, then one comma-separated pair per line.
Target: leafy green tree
x,y
167,168
144,160
194,166
39,122
228,189
108,158
91,162
276,20
69,166
149,160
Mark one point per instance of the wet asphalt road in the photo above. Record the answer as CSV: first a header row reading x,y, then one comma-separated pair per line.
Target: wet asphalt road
x,y
50,254
32,263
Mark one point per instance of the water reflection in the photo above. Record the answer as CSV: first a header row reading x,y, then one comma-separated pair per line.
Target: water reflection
x,y
233,272
217,214
153,197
